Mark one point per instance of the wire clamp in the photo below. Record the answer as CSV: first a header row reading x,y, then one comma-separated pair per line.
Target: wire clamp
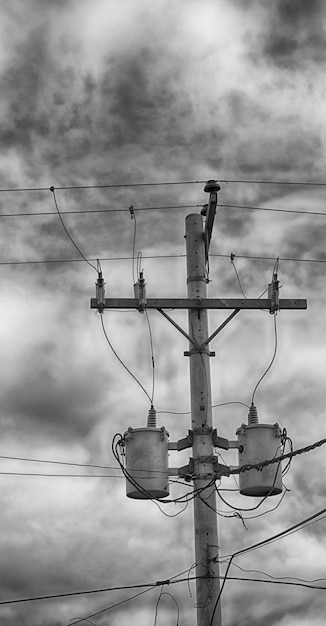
x,y
273,294
140,293
100,293
160,583
132,212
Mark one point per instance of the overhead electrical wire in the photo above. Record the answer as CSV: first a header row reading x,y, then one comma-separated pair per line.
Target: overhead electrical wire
x,y
88,211
259,208
232,257
162,256
159,583
68,234
121,362
167,183
137,271
106,186
161,208
112,606
231,471
165,593
149,587
152,356
270,364
261,544
22,458
80,593
278,578
59,475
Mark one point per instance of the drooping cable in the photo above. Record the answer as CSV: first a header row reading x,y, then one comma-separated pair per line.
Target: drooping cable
x,y
121,362
152,356
270,364
112,606
166,593
232,257
52,189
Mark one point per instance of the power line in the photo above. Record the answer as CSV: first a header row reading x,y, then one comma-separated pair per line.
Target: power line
x,y
122,363
121,258
67,232
79,593
104,467
20,458
260,544
81,211
275,182
60,475
289,578
113,606
149,587
163,256
106,186
167,183
270,258
258,208
161,208
270,364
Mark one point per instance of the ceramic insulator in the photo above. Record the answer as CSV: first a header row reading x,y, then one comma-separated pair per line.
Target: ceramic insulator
x,y
151,419
253,415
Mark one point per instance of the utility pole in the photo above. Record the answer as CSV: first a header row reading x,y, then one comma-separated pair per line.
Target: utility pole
x,y
203,468
205,517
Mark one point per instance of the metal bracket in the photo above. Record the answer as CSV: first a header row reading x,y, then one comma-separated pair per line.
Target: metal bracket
x,y
188,472
198,350
182,444
183,332
220,442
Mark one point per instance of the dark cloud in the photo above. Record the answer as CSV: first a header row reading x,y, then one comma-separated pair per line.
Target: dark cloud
x,y
296,34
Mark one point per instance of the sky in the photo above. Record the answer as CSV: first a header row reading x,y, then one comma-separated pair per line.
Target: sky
x,y
102,92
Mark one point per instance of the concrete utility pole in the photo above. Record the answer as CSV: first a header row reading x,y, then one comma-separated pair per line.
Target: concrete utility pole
x,y
203,468
205,517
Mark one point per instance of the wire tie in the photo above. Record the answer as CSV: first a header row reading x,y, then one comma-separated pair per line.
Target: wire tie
x,y
132,212
232,257
162,582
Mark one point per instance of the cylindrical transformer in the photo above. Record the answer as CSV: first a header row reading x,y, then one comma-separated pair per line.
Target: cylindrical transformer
x,y
258,443
146,452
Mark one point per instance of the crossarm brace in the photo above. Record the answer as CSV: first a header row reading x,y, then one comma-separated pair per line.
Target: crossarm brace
x,y
183,332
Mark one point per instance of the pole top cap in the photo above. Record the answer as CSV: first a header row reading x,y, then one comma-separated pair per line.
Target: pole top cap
x,y
212,186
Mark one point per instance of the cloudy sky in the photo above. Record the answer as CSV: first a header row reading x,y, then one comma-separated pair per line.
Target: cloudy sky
x,y
122,92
